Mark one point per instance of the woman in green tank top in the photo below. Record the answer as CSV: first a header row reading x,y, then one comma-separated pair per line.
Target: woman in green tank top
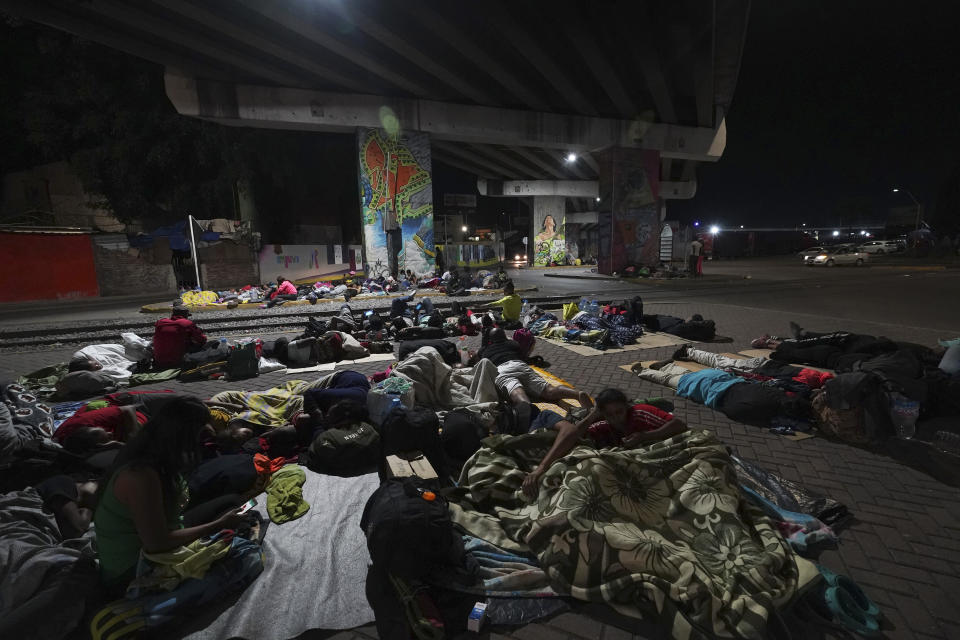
x,y
145,494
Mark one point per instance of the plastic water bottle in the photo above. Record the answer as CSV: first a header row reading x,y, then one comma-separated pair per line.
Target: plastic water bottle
x,y
595,309
525,309
904,413
223,342
583,306
395,403
464,353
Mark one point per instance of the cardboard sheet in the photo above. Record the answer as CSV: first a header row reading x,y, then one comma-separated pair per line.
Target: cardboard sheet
x,y
646,341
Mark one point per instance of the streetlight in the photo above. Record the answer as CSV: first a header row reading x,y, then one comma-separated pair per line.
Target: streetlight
x,y
463,228
836,233
571,157
741,226
714,230
915,201
598,198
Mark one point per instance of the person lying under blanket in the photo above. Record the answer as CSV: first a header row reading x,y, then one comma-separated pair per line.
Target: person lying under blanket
x,y
518,380
839,350
737,398
611,423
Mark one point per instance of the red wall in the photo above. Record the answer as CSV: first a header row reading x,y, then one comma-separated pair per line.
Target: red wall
x,y
40,266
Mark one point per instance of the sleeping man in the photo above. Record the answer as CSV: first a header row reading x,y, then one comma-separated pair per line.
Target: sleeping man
x,y
613,422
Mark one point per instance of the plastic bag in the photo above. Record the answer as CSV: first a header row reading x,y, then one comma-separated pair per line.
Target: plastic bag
x,y
570,309
135,347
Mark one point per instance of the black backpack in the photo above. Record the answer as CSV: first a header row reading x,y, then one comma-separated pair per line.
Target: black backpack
x,y
408,535
243,362
315,328
634,309
349,451
462,435
448,350
405,430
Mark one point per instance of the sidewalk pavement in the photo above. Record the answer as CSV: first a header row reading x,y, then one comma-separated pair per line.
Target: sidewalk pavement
x,y
902,545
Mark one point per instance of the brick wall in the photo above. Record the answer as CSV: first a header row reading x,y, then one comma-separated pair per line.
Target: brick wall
x,y
131,272
227,265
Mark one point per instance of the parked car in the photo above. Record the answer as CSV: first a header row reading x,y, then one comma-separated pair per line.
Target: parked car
x,y
881,247
832,256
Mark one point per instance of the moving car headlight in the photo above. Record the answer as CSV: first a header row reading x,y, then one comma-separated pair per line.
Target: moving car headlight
x,y
516,257
821,257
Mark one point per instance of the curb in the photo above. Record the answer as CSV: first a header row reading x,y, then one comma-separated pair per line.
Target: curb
x,y
164,307
581,276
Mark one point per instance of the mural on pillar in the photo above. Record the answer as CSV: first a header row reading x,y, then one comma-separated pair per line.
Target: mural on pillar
x,y
396,193
549,245
630,234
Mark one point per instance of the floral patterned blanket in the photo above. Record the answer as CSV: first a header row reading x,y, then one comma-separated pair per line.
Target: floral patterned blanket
x,y
661,530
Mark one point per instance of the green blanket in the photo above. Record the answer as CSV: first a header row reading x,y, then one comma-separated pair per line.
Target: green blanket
x,y
660,530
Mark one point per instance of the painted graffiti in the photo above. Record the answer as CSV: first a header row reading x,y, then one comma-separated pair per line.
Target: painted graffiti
x,y
396,192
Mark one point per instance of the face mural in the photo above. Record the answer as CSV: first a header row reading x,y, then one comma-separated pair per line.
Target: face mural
x,y
396,198
549,244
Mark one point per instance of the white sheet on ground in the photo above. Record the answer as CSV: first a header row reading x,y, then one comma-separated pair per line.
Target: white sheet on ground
x,y
113,358
440,386
315,568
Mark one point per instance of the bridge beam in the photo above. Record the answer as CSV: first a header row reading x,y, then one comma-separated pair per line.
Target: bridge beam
x,y
286,108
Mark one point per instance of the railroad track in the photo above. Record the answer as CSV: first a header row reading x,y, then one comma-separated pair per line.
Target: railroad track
x,y
217,323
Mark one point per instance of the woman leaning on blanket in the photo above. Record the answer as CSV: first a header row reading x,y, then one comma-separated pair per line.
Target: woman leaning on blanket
x,y
142,502
612,422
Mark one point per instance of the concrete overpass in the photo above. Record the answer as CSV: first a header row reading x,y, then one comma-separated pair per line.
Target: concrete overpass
x,y
505,91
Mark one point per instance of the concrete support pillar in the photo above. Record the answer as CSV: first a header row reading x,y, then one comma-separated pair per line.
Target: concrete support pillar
x,y
396,201
629,218
547,242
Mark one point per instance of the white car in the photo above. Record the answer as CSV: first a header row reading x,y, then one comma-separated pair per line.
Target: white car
x,y
880,247
833,256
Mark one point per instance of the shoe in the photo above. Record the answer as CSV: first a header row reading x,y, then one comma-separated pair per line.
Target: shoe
x,y
660,364
681,353
636,367
796,330
761,342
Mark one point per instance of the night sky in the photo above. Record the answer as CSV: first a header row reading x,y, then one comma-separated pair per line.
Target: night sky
x,y
836,101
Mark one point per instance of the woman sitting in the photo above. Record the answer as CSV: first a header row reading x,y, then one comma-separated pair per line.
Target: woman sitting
x,y
142,503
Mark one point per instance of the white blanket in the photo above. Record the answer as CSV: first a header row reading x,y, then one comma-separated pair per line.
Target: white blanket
x,y
315,568
112,357
440,386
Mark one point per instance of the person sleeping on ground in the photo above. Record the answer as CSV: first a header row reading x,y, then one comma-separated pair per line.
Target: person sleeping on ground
x,y
518,380
739,399
612,422
142,499
91,429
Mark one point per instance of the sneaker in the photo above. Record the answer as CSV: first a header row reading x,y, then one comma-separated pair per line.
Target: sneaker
x,y
681,353
796,330
761,342
660,364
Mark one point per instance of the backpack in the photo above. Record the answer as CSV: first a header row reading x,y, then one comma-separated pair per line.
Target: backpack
x,y
243,362
634,310
462,435
315,328
345,452
408,535
413,430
